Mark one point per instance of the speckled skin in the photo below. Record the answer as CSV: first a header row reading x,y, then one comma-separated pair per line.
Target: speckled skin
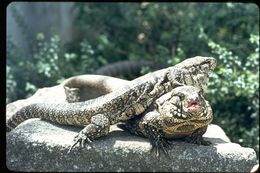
x,y
184,106
121,105
180,113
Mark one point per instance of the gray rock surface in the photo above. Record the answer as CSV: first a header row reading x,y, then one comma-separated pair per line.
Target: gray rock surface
x,y
37,145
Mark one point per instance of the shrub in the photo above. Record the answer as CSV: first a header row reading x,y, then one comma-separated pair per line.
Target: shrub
x,y
234,93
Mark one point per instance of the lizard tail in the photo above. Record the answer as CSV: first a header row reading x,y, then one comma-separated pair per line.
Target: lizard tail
x,y
20,116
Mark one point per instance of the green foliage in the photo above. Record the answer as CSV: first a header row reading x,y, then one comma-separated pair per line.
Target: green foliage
x,y
165,33
48,65
234,93
10,86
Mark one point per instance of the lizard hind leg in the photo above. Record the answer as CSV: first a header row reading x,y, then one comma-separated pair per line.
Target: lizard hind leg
x,y
99,126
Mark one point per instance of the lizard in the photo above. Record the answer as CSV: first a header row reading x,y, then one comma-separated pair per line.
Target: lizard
x,y
98,114
162,110
84,87
181,113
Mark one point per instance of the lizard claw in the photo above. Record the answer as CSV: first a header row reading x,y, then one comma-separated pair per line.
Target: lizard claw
x,y
161,145
158,142
82,139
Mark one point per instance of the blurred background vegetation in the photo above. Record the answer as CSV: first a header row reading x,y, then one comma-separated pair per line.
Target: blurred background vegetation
x,y
165,33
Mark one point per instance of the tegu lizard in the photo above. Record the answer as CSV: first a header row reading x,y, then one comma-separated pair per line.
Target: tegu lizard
x,y
121,105
181,113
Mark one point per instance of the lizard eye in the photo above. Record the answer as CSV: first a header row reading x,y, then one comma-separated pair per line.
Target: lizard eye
x,y
181,96
192,69
204,68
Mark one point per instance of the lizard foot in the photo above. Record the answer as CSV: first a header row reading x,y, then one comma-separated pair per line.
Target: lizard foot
x,y
98,127
82,139
159,143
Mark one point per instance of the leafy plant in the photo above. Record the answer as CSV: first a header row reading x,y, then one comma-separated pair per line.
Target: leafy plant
x,y
234,93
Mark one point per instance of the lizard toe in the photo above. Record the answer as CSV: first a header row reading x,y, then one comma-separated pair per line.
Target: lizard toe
x,y
81,139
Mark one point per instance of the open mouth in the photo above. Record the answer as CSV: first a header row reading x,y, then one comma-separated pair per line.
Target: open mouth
x,y
193,107
193,103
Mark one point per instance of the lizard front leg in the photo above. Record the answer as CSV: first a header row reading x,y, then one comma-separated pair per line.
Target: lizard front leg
x,y
149,126
99,126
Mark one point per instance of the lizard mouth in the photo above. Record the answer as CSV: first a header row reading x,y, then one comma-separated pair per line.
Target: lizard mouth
x,y
192,103
193,107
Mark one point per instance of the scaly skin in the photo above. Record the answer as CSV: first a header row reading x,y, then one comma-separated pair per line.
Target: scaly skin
x,y
77,88
181,113
98,114
85,87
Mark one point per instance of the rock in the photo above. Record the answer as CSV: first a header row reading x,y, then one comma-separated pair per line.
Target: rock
x,y
255,168
37,145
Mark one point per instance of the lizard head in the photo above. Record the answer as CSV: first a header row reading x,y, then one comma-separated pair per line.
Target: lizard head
x,y
183,111
203,64
195,71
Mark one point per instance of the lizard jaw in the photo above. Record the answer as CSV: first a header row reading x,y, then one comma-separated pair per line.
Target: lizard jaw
x,y
193,107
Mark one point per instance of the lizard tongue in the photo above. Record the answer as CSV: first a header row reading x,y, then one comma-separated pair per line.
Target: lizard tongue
x,y
192,103
193,107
